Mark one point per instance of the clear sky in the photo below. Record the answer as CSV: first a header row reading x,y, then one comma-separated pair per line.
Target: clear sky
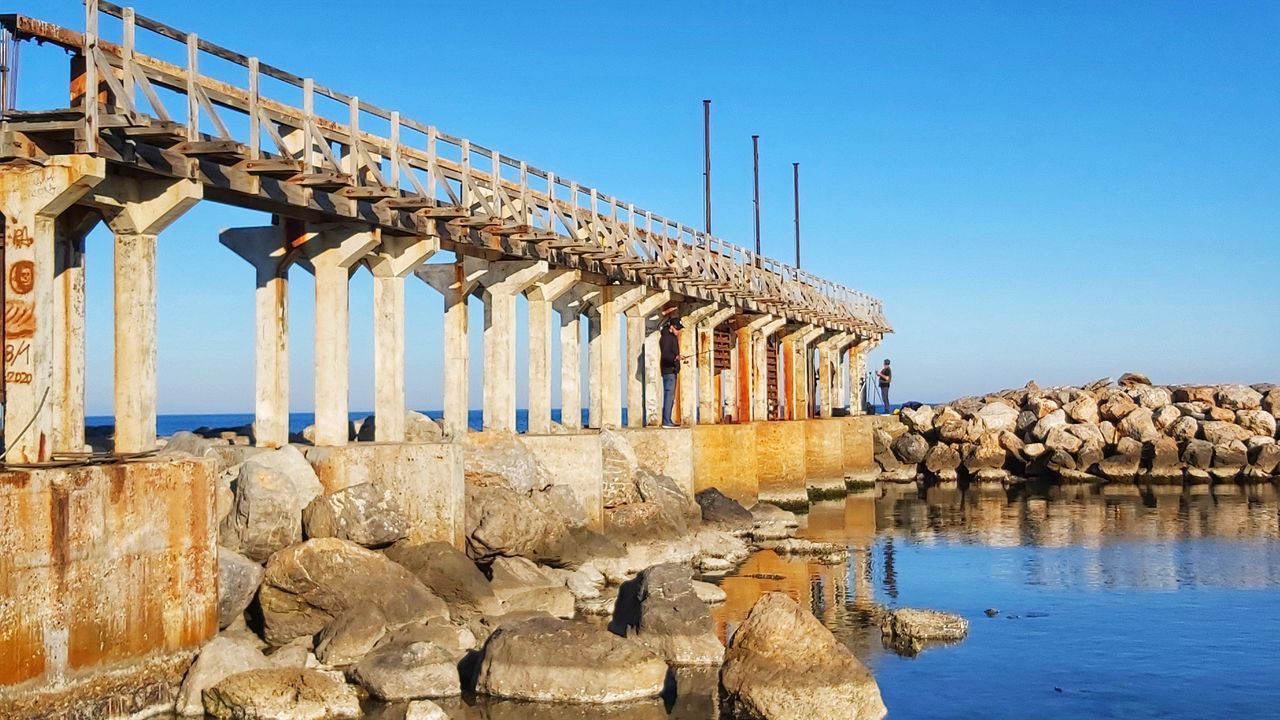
x,y
1057,191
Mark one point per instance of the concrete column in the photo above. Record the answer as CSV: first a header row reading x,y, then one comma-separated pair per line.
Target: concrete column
x,y
858,369
570,307
604,351
708,408
760,384
745,381
689,379
267,249
455,281
809,366
794,375
542,296
390,263
827,360
66,395
331,253
644,378
502,282
137,211
31,198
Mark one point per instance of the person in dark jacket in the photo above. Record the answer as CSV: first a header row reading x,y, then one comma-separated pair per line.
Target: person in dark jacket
x,y
669,363
885,376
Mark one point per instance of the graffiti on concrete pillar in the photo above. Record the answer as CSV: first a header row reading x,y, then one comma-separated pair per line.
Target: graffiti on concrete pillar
x,y
19,310
22,277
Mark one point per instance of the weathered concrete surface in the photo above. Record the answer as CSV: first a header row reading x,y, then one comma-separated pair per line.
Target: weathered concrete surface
x,y
859,449
780,462
573,459
664,451
424,478
824,453
108,585
724,457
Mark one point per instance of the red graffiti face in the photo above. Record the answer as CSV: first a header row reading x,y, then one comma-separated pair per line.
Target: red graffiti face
x,y
22,277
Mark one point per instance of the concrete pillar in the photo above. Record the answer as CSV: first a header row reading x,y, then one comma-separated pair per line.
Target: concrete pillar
x,y
604,351
137,211
66,395
793,371
455,281
644,378
32,197
858,369
745,380
331,253
502,282
570,308
708,408
760,362
542,296
267,250
691,315
828,358
390,263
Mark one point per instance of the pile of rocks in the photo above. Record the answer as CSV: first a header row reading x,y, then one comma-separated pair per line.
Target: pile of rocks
x,y
1131,431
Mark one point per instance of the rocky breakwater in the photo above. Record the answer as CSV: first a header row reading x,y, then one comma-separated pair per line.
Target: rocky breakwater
x,y
1125,432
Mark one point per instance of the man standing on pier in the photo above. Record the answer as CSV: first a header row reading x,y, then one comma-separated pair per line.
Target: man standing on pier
x,y
669,363
885,376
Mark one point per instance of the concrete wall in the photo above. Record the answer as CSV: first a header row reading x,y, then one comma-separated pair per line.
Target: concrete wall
x,y
666,451
780,462
426,478
724,457
859,449
574,459
824,453
108,585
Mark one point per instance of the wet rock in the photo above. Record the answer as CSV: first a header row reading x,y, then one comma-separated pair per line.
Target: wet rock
x,y
709,593
661,610
551,660
351,635
238,581
782,663
408,670
1123,465
220,658
501,459
424,710
911,448
720,509
909,630
448,573
772,522
521,585
307,585
272,488
364,514
282,694
991,612
1239,397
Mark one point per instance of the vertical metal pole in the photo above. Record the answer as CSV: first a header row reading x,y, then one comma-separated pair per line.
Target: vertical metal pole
x,y
90,77
795,178
755,171
706,163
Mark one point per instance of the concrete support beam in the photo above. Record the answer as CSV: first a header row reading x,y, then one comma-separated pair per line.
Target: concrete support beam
x,y
542,296
745,380
570,307
691,316
708,408
760,362
455,281
267,250
137,211
391,262
32,197
644,376
604,350
331,253
502,282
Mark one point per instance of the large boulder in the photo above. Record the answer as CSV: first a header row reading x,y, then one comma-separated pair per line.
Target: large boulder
x,y
501,459
282,694
1198,454
1133,379
448,573
643,521
1239,397
909,630
1152,398
1257,422
551,660
1060,439
782,663
520,586
619,465
661,610
1040,431
1191,393
918,420
238,581
403,670
1139,425
351,635
1265,457
1116,407
418,428
910,448
272,488
1083,409
942,461
720,509
503,521
1184,429
1223,433
221,657
986,454
1271,401
998,417
1123,465
364,514
307,585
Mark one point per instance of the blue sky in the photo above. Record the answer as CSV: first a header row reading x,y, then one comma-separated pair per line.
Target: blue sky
x,y
1057,191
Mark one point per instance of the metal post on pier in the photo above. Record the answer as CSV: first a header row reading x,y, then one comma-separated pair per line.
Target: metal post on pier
x,y
755,173
706,164
795,179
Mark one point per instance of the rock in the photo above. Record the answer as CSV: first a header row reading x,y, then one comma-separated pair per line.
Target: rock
x,y
220,658
448,573
501,459
521,585
1088,434
1239,397
1117,407
998,417
952,431
418,428
560,506
424,710
407,670
1055,419
282,694
712,594
782,663
501,521
1026,420
1131,379
1060,439
919,420
1165,417
944,415
1152,398
364,514
1108,431
586,583
909,630
306,586
1194,410
644,521
1266,457
1124,464
551,660
723,510
1184,429
1031,451
986,454
1271,402
1231,455
1083,410
272,488
942,459
1139,426
187,443
620,464
911,448
238,581
1186,394
665,490
1090,453
1041,407
351,635
1223,433
660,610
1257,422
1198,454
